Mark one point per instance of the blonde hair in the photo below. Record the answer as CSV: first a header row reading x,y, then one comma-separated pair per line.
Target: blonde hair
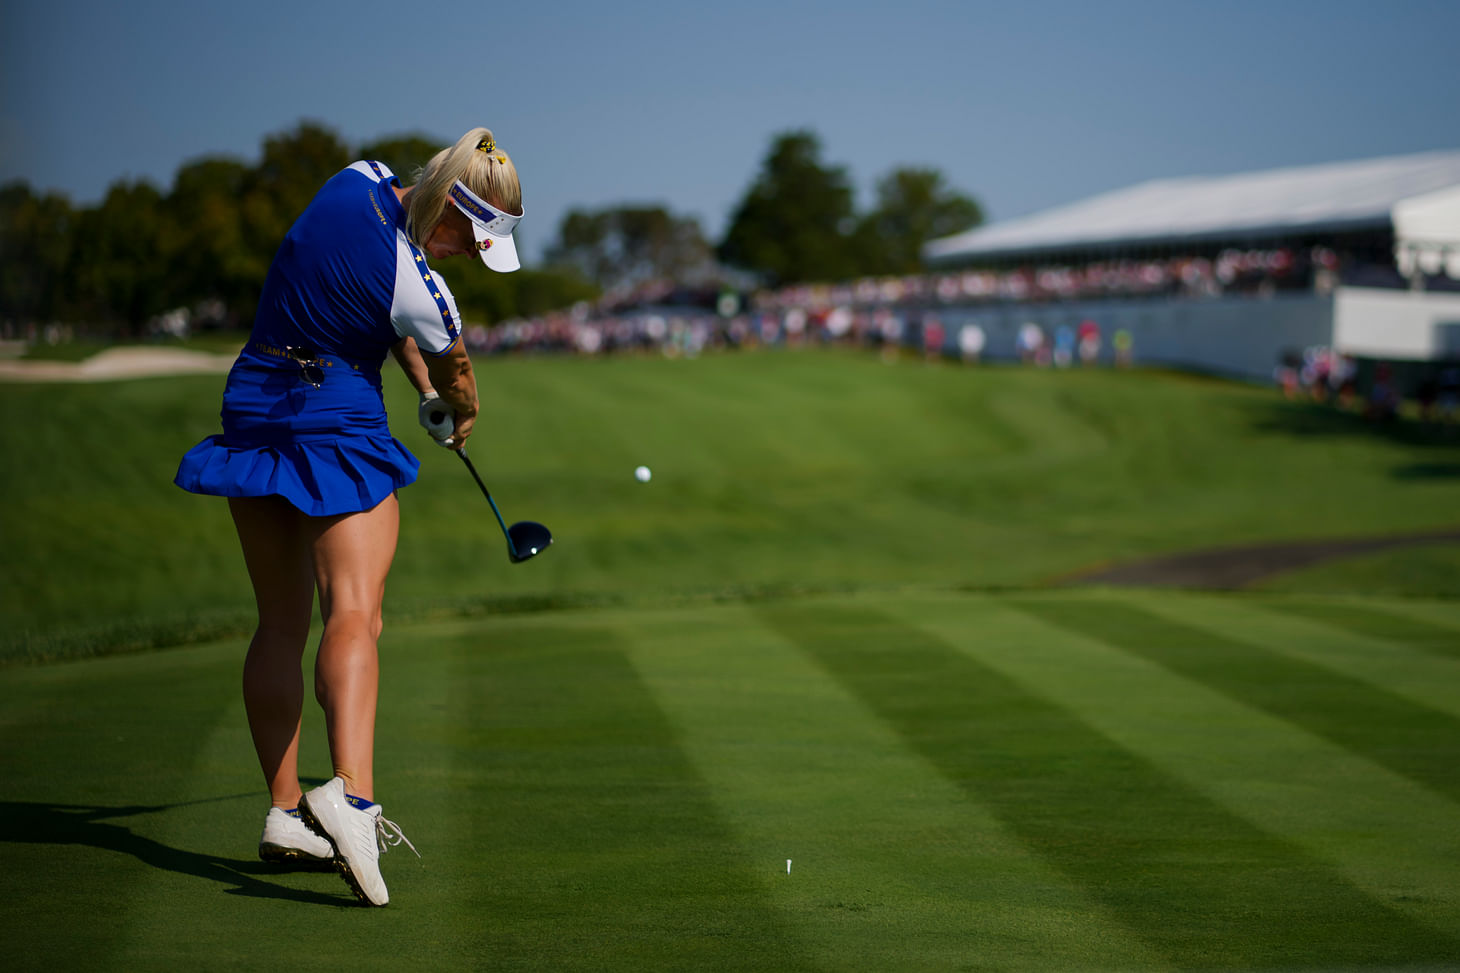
x,y
485,169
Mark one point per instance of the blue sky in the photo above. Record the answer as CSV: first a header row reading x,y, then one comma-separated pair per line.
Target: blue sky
x,y
1021,105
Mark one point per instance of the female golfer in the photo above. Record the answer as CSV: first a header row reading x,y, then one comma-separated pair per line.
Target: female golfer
x,y
310,468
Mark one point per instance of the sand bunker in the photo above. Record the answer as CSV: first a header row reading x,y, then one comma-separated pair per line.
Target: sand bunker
x,y
117,363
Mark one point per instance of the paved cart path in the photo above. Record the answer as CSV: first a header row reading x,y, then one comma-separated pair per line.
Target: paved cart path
x,y
1237,567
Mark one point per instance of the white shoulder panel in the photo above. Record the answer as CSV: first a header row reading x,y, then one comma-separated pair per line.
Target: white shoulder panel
x,y
366,169
423,308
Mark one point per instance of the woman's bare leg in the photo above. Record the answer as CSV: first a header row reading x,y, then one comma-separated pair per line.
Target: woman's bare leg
x,y
276,551
351,557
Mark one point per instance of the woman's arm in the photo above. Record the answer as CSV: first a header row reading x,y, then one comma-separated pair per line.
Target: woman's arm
x,y
449,375
408,356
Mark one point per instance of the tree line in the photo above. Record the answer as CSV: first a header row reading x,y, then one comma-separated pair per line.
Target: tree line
x,y
206,243
796,222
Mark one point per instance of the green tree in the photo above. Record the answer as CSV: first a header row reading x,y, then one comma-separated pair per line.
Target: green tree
x,y
207,253
484,297
796,221
118,268
36,235
213,237
914,206
293,167
625,245
403,153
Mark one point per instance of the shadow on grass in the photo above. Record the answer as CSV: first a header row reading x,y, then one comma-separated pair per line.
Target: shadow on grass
x,y
40,823
1312,419
1428,471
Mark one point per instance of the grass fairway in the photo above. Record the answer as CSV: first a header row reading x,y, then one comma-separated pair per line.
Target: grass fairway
x,y
1038,781
820,471
824,632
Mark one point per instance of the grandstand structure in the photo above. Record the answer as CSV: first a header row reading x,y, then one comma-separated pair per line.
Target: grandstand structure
x,y
1229,274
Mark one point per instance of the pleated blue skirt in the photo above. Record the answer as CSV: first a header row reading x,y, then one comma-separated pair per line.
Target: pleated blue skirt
x,y
328,451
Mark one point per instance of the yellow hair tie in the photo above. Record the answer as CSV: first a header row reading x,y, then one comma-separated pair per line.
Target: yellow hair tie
x,y
487,146
501,158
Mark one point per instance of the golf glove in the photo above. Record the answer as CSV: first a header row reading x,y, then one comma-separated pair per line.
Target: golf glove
x,y
437,418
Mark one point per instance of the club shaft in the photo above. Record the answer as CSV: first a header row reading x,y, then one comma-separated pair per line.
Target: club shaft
x,y
488,494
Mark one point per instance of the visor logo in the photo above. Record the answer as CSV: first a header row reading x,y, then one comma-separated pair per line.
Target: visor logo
x,y
484,244
471,206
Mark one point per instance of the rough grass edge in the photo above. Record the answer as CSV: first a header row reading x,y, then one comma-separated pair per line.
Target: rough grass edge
x,y
148,635
123,638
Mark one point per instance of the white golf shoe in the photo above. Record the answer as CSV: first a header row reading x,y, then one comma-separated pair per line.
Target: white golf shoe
x,y
359,836
286,839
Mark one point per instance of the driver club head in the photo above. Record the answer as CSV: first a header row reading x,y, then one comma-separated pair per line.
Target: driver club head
x,y
525,539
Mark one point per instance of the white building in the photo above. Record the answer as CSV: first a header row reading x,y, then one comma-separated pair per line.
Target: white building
x,y
1370,255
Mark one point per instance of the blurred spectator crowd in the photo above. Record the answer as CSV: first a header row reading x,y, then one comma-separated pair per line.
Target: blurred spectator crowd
x,y
901,310
1230,272
1376,389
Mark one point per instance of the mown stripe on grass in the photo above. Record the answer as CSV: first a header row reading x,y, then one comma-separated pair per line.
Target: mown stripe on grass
x,y
1199,884
893,867
1395,839
101,779
1373,622
1445,614
1423,678
1416,741
592,842
230,902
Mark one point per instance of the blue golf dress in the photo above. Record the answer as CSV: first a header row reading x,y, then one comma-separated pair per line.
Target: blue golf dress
x,y
345,285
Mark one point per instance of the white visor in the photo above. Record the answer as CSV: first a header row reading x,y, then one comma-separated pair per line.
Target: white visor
x,y
491,227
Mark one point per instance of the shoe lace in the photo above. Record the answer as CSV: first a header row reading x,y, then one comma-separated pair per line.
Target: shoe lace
x,y
389,835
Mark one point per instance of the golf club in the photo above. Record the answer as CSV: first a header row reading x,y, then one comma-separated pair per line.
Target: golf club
x,y
526,538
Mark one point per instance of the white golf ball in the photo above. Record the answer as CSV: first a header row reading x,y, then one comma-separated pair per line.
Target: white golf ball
x,y
642,474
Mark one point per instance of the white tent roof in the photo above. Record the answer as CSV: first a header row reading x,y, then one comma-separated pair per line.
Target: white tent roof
x,y
1334,196
1427,233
